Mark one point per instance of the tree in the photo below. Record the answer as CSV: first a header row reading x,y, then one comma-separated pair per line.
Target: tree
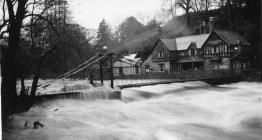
x,y
104,35
201,5
171,7
230,14
152,24
218,3
130,27
186,5
15,14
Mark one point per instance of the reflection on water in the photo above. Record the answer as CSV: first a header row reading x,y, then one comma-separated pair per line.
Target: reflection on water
x,y
179,111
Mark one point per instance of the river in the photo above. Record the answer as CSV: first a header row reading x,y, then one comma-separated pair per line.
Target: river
x,y
178,111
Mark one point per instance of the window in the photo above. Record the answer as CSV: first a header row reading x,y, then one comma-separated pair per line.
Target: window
x,y
207,50
174,66
162,67
136,69
121,71
147,68
160,54
191,52
222,48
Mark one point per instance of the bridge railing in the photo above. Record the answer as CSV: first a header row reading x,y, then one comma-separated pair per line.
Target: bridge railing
x,y
189,74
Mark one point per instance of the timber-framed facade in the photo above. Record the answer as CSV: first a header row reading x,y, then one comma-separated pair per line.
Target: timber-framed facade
x,y
220,49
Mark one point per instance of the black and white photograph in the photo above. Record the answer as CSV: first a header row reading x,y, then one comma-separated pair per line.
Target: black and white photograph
x,y
131,69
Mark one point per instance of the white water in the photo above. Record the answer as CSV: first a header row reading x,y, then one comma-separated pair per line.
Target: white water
x,y
179,111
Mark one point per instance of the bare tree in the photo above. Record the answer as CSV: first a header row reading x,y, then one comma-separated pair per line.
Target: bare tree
x,y
15,14
201,5
186,5
230,14
218,3
171,7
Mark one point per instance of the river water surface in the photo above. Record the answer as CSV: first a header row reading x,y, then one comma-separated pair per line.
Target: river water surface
x,y
178,111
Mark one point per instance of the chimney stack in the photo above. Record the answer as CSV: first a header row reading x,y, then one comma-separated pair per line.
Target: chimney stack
x,y
211,24
203,27
159,31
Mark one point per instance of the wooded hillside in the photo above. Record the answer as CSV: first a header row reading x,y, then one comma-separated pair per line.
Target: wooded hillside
x,y
244,22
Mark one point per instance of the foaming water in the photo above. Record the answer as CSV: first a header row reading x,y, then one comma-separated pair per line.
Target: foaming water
x,y
178,111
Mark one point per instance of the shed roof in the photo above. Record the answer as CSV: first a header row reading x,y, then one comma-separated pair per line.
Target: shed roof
x,y
130,56
231,37
130,59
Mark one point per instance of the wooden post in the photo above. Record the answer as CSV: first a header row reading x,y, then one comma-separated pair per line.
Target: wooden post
x,y
111,71
91,78
101,72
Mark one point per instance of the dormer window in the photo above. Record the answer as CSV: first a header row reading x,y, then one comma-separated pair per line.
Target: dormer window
x,y
160,54
191,52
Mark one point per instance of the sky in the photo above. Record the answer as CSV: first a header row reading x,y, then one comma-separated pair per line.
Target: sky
x,y
89,13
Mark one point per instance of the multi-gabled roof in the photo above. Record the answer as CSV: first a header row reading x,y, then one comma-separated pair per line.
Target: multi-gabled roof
x,y
182,43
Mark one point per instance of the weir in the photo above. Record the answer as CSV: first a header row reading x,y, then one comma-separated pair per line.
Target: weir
x,y
87,94
92,93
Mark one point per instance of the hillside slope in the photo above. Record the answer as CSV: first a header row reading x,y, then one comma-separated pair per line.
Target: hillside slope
x,y
143,43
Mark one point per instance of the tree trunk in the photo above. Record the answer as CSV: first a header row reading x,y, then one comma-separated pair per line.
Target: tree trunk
x,y
38,71
9,73
22,92
188,17
36,77
230,15
8,87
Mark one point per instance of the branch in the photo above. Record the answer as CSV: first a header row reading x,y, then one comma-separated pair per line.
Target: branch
x,y
2,34
14,2
10,10
47,51
3,9
5,22
45,19
32,3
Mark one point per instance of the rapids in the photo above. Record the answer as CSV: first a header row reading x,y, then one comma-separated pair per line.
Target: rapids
x,y
178,111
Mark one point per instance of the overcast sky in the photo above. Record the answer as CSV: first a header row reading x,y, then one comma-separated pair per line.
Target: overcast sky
x,y
89,13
